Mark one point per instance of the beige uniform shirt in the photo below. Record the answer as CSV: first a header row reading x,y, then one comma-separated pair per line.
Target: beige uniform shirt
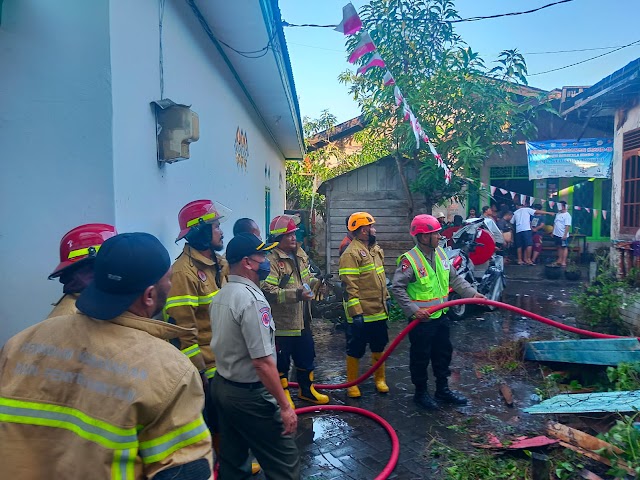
x,y
243,329
65,306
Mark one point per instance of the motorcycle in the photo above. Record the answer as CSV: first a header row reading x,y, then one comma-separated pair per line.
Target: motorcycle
x,y
327,303
465,249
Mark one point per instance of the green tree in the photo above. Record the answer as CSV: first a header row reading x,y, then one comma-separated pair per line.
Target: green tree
x,y
469,111
303,178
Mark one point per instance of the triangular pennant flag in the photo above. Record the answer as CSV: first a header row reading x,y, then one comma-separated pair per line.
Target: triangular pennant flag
x,y
388,79
552,204
588,210
503,191
523,199
595,213
493,189
425,137
376,61
351,22
604,214
406,111
364,46
483,185
513,195
415,126
559,206
398,95
576,207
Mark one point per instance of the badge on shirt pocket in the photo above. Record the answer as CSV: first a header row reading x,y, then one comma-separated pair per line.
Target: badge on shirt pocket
x,y
202,276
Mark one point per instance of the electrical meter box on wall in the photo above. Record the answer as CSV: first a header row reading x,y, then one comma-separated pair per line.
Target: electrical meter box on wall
x,y
177,127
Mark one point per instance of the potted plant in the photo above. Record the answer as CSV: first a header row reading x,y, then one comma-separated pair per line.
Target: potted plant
x,y
552,271
572,272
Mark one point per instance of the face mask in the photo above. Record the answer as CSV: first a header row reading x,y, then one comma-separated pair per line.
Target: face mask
x,y
264,269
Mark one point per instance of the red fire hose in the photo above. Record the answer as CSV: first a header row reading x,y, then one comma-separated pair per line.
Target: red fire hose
x,y
395,444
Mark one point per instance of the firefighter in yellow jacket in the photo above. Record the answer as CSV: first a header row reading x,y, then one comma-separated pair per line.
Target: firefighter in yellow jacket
x,y
288,289
101,394
362,274
198,274
78,249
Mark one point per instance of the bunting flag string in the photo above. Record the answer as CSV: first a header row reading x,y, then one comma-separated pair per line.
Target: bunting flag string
x,y
553,205
351,24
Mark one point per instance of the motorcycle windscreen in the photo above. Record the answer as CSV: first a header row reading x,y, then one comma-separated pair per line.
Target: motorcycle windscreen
x,y
483,253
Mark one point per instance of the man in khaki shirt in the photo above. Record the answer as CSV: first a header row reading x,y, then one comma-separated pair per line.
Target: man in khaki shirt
x,y
254,412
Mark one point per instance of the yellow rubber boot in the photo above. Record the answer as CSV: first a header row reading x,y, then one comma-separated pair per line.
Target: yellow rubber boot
x,y
379,374
307,391
352,373
285,385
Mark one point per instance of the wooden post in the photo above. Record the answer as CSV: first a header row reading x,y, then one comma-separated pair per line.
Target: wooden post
x,y
405,185
327,232
540,466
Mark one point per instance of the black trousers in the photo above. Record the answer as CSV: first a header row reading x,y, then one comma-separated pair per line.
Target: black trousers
x,y
375,334
250,419
301,349
430,342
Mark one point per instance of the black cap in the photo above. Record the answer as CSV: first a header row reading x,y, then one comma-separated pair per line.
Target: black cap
x,y
245,244
124,267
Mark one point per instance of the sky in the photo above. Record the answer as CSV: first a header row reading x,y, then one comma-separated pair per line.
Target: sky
x,y
318,55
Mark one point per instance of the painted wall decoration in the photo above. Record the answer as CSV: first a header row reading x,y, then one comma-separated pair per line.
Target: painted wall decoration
x,y
242,149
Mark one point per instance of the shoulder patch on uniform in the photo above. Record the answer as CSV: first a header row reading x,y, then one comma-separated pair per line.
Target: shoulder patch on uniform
x,y
265,314
363,253
202,276
405,264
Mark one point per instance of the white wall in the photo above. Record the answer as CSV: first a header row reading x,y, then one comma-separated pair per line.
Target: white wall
x,y
626,122
148,198
55,138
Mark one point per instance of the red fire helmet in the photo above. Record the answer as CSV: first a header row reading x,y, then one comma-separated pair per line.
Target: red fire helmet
x,y
80,243
205,210
424,224
282,224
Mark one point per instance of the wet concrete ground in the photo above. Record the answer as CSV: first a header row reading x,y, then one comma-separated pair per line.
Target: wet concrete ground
x,y
348,446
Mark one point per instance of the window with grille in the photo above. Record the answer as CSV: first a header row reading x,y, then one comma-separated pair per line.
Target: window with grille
x,y
510,171
630,214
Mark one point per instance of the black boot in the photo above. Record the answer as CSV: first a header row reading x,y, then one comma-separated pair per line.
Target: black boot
x,y
444,395
424,400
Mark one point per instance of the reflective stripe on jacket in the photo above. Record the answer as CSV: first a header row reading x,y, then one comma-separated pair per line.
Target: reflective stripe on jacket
x,y
287,310
193,286
85,398
429,288
362,273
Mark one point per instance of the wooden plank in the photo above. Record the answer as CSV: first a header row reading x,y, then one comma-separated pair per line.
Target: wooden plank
x,y
588,352
362,197
579,438
589,402
596,457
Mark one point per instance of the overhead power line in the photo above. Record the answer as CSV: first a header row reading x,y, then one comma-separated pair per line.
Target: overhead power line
x,y
460,20
585,61
524,53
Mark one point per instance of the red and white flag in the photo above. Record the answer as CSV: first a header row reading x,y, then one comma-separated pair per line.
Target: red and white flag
x,y
503,191
376,61
604,214
523,199
587,209
595,213
398,96
513,195
351,22
364,46
415,126
552,204
493,189
532,201
406,111
576,207
388,79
